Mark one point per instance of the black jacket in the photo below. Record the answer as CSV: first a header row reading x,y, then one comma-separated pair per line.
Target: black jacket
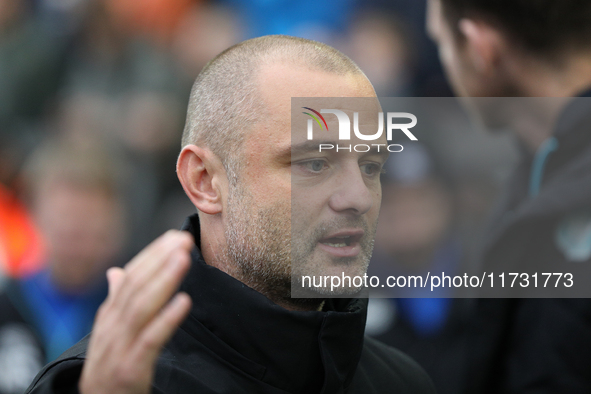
x,y
235,340
538,345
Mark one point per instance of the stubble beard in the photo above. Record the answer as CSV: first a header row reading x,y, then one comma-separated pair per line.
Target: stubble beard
x,y
261,247
259,243
304,263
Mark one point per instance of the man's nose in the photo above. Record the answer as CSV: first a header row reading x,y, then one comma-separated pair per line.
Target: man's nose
x,y
352,193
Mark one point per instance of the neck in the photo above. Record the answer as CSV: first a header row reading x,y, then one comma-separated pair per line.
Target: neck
x,y
213,244
567,79
534,124
534,121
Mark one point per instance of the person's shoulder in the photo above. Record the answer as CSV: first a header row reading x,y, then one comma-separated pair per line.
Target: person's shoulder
x,y
61,375
383,367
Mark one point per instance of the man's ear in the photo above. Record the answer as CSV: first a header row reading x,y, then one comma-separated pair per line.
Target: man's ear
x,y
202,175
484,44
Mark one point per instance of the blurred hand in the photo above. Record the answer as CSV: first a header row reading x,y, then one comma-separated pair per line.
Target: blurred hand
x,y
138,317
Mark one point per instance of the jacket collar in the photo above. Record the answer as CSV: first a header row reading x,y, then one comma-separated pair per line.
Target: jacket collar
x,y
316,351
566,181
567,170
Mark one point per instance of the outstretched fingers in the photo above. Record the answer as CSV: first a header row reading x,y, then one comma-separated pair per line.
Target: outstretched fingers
x,y
138,317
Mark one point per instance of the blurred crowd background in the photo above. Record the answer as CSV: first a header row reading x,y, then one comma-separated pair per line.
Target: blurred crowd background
x,y
93,96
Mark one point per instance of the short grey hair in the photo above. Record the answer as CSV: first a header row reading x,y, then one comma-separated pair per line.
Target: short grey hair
x,y
225,102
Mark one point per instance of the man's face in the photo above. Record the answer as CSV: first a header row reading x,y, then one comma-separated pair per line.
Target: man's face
x,y
326,222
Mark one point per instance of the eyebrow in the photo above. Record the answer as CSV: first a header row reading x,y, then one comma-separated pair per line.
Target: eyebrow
x,y
307,147
312,146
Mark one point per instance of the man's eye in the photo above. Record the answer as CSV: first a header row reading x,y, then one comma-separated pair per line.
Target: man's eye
x,y
315,165
370,169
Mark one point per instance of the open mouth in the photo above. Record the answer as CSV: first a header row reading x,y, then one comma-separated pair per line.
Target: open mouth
x,y
341,241
342,244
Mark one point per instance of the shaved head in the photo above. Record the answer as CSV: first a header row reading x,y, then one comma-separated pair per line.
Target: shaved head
x,y
234,168
225,100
